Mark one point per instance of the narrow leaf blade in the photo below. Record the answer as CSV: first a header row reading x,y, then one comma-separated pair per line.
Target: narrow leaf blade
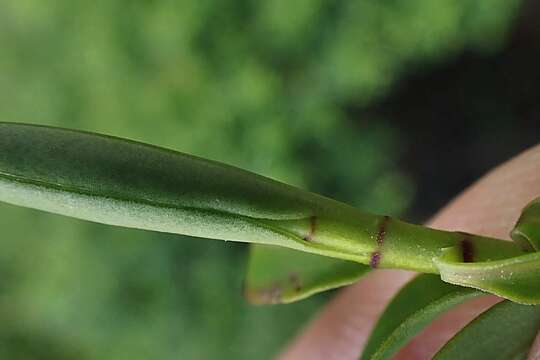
x,y
413,308
280,275
506,331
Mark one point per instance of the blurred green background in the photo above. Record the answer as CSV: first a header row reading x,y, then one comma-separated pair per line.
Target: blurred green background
x,y
392,106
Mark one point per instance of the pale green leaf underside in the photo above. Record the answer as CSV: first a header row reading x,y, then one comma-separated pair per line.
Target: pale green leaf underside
x,y
280,275
503,332
414,307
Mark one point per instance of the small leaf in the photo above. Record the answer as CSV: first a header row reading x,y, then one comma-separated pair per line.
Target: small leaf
x,y
280,275
527,230
506,331
516,278
413,308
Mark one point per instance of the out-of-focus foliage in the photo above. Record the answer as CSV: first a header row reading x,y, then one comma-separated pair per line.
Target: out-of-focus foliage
x,y
262,85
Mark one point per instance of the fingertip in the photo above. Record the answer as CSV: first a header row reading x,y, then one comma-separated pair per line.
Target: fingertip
x,y
492,205
534,354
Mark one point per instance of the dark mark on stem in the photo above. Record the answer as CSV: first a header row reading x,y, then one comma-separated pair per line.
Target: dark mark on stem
x,y
312,227
375,259
382,230
381,234
467,250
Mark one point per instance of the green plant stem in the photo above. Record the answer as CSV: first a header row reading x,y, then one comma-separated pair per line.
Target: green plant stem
x,y
385,242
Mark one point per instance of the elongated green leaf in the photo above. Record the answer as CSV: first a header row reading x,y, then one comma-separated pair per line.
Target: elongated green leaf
x,y
279,275
504,332
413,308
126,183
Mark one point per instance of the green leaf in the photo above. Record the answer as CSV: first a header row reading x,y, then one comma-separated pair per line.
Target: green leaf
x,y
280,275
125,183
527,230
413,308
506,331
516,278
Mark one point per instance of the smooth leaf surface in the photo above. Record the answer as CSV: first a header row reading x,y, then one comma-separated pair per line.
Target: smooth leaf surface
x,y
417,304
280,275
506,331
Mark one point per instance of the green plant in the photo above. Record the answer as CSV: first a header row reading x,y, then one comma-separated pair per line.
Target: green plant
x,y
303,242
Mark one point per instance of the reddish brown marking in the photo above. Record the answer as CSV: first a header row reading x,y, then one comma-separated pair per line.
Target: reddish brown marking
x,y
312,227
295,281
381,235
467,250
375,259
382,230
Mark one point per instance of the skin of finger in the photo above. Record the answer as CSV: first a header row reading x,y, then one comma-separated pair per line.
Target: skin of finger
x,y
489,207
535,350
